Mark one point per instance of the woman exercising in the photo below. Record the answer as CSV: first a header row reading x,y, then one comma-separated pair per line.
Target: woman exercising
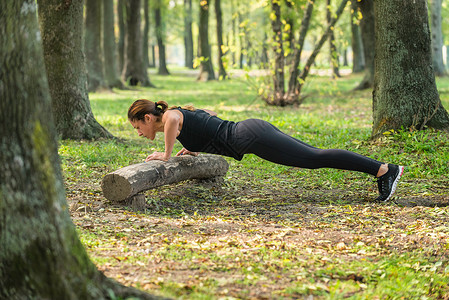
x,y
200,130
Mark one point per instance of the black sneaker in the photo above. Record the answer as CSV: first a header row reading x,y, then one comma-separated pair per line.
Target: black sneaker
x,y
388,182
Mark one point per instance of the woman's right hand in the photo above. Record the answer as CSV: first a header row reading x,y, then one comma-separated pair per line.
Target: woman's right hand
x,y
184,151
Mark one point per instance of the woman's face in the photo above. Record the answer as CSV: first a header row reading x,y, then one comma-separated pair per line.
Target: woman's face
x,y
145,127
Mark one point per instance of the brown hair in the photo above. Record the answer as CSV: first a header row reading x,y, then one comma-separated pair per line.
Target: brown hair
x,y
141,107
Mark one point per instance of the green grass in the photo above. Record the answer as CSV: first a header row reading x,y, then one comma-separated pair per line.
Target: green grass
x,y
256,194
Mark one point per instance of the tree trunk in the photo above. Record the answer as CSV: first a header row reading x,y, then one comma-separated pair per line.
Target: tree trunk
x,y
41,256
447,56
234,35
405,94
358,59
134,70
277,96
160,38
333,53
221,72
206,67
122,34
146,31
92,46
62,36
109,47
294,69
241,34
188,36
131,180
367,30
437,38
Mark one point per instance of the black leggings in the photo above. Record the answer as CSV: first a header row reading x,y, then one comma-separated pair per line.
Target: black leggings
x,y
266,141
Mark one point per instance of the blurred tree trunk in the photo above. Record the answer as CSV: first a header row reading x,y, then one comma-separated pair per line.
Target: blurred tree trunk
x,y
62,36
358,59
333,52
234,34
241,35
146,31
206,67
437,37
109,47
188,36
367,30
405,94
221,72
294,68
447,56
153,56
160,38
277,97
134,70
92,46
41,256
122,33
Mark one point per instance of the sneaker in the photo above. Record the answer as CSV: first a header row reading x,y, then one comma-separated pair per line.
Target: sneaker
x,y
388,182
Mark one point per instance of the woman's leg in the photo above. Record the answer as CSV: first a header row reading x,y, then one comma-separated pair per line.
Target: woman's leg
x,y
268,142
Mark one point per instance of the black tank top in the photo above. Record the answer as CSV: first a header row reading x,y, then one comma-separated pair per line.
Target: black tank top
x,y
202,132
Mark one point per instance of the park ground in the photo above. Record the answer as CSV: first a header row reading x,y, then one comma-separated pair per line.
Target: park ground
x,y
269,231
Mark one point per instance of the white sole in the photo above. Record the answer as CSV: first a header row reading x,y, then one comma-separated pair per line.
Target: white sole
x,y
395,183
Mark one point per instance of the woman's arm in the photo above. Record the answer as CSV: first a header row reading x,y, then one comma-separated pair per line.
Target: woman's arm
x,y
171,120
171,127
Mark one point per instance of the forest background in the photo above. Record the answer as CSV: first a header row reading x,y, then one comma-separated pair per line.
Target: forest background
x,y
268,231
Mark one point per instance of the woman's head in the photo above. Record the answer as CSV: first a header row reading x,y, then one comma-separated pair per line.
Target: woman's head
x,y
142,107
145,116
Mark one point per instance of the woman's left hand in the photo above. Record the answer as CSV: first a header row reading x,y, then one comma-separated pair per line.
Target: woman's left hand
x,y
157,156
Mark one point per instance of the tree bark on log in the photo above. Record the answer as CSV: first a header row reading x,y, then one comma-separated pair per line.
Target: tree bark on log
x,y
131,180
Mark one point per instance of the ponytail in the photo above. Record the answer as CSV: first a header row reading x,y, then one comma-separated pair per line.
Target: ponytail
x,y
141,107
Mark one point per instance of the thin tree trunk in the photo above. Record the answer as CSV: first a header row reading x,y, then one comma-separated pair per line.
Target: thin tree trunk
x,y
221,70
241,34
358,59
62,36
160,38
294,69
367,30
122,34
92,45
188,36
111,71
405,94
134,70
447,56
437,37
234,34
146,31
206,67
277,98
333,53
41,256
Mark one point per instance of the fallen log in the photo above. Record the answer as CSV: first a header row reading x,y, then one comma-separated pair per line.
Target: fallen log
x,y
131,180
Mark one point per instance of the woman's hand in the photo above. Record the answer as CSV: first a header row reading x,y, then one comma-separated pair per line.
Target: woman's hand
x,y
157,156
184,151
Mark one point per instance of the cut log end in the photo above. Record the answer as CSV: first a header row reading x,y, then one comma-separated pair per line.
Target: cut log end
x,y
122,187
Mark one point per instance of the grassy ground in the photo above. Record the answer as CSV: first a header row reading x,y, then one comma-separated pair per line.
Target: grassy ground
x,y
269,231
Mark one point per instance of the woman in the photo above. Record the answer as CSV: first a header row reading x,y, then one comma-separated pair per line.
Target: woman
x,y
200,130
